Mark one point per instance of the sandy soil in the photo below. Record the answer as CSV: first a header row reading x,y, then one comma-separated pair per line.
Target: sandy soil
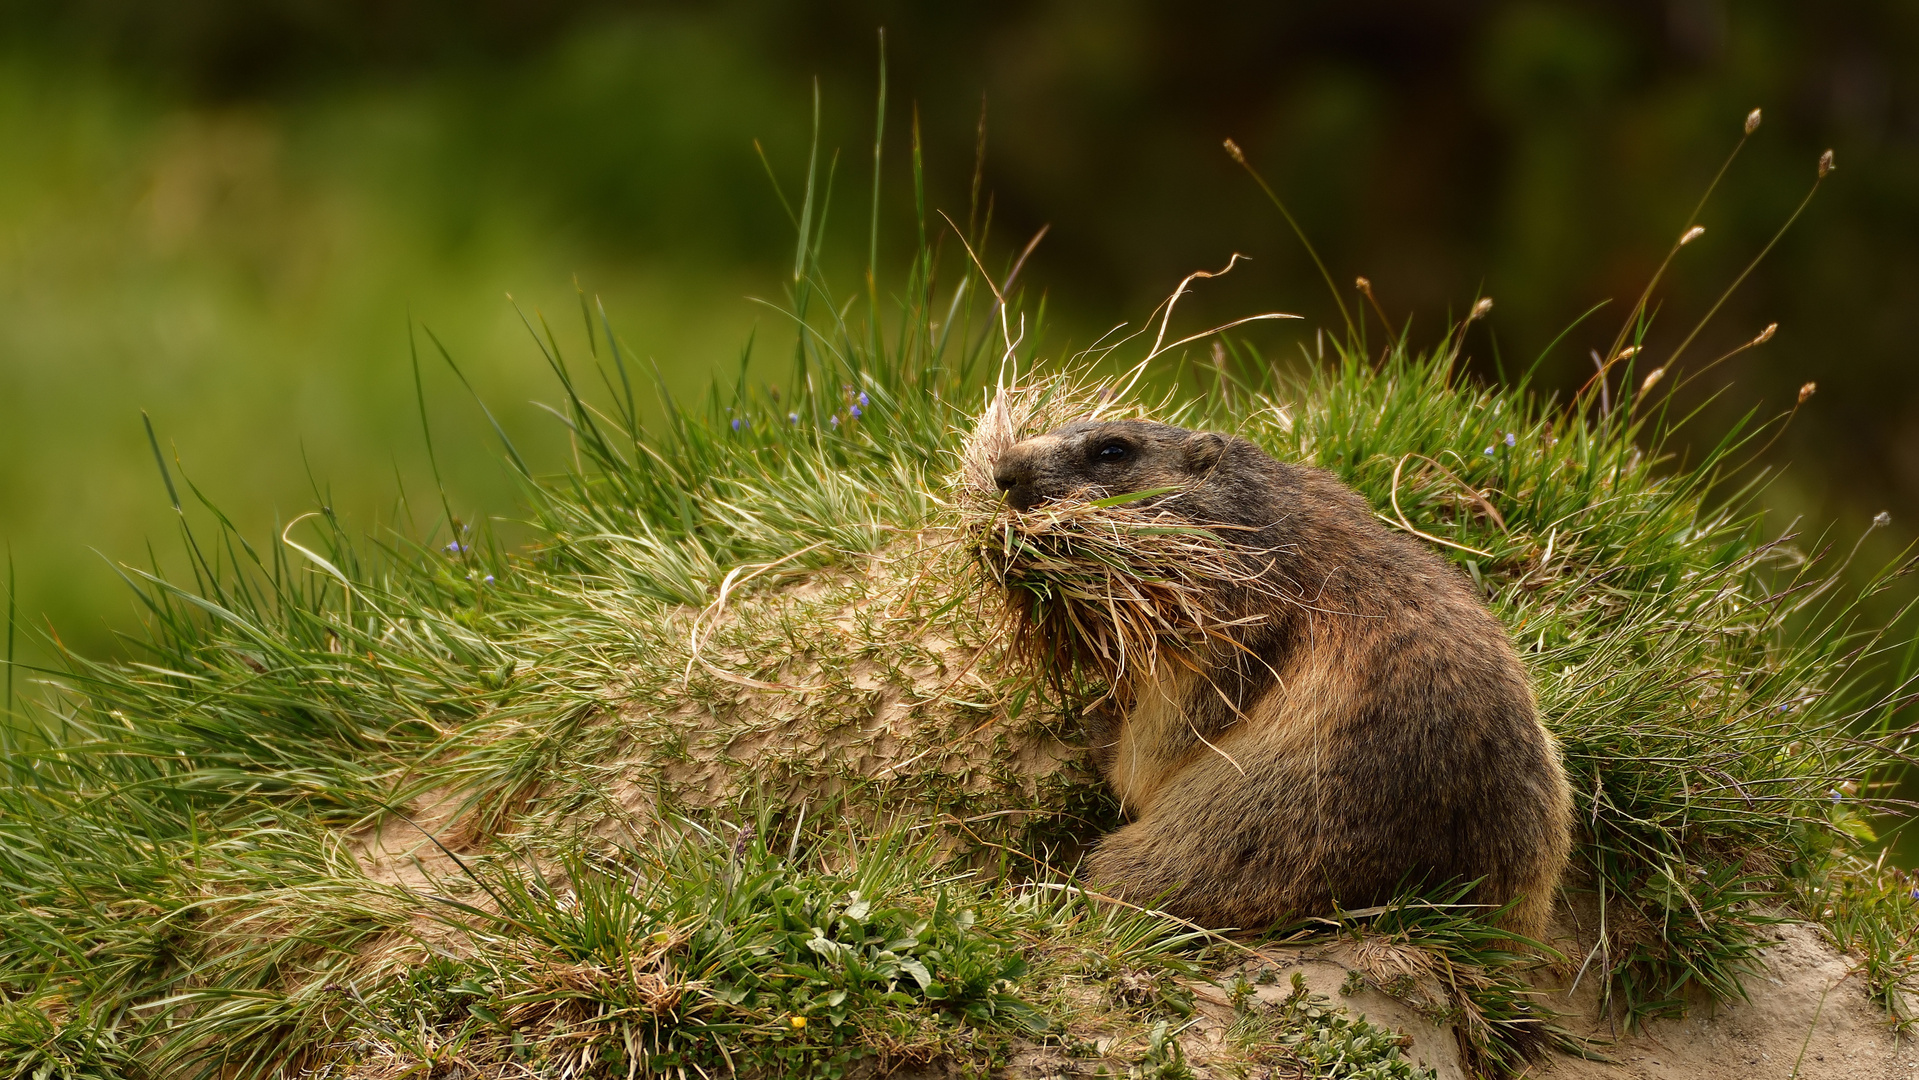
x,y
1809,1018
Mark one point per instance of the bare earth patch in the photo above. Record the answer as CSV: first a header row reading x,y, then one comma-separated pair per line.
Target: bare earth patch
x,y
1809,1000
1808,1018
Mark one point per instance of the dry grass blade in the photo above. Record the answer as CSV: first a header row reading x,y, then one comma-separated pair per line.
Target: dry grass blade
x,y
1111,589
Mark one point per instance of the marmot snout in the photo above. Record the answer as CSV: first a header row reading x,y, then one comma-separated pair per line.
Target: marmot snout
x,y
1111,458
1368,730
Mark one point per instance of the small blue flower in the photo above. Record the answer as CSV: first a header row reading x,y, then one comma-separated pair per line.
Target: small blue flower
x,y
1915,894
1835,795
792,418
862,397
835,421
488,579
1511,439
856,410
453,548
736,423
1489,451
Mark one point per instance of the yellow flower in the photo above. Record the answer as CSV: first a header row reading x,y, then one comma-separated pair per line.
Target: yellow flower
x,y
798,1022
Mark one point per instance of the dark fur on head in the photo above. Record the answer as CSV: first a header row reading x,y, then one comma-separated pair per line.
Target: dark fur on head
x,y
1366,727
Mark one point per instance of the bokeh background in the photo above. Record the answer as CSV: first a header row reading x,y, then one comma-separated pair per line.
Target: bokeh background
x,y
226,212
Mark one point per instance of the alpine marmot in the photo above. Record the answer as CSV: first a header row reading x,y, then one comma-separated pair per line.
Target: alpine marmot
x,y
1365,728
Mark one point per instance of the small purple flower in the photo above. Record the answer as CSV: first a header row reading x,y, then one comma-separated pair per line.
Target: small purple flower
x,y
453,548
792,418
856,410
863,397
736,423
1511,440
835,421
1489,451
488,579
1915,894
1835,795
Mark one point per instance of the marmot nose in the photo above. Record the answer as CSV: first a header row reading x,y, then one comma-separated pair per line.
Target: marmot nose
x,y
1008,474
1014,475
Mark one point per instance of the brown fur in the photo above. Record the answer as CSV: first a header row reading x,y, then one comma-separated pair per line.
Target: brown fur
x,y
1374,730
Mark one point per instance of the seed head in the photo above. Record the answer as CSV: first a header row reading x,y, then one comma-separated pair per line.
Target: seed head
x,y
1480,309
1627,353
1363,285
1752,121
1652,380
1766,334
1825,164
1233,151
1807,391
1881,519
1692,234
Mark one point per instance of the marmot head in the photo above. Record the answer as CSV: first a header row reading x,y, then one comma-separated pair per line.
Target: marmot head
x,y
1096,459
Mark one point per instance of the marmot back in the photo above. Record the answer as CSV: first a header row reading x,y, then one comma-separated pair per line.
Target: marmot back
x,y
1372,729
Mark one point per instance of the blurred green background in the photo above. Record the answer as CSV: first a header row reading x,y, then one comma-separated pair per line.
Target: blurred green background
x,y
224,212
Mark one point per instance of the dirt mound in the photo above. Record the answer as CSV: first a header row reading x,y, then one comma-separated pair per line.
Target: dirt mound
x,y
868,692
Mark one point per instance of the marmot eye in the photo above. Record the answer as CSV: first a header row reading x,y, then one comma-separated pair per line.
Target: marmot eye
x,y
1114,452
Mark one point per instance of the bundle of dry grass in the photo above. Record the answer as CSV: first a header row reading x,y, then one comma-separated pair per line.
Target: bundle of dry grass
x,y
1108,585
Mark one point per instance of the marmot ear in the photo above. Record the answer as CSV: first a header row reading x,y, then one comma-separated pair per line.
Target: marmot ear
x,y
1203,450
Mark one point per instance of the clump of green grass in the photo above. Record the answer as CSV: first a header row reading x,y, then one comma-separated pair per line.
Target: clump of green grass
x,y
1450,961
760,596
709,951
1319,1039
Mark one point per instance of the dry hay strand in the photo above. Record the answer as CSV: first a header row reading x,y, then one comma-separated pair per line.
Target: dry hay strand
x,y
1110,585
